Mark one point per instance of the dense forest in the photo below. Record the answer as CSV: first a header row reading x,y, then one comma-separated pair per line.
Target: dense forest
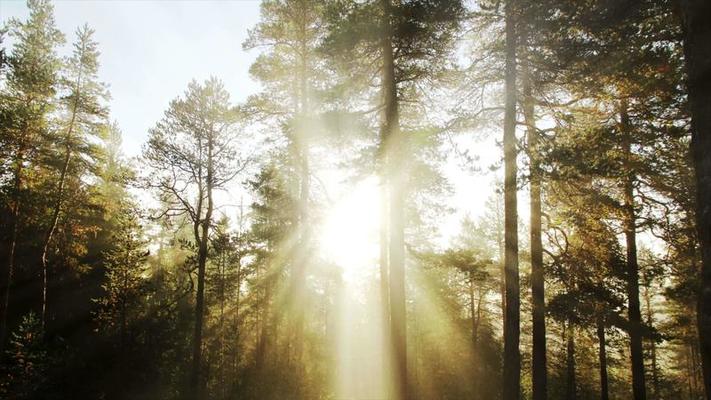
x,y
219,264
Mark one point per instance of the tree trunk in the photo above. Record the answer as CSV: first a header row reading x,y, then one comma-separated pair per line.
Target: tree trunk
x,y
299,275
538,362
602,357
60,199
10,269
630,229
475,311
384,275
50,234
512,355
394,142
196,379
697,36
237,307
652,342
570,384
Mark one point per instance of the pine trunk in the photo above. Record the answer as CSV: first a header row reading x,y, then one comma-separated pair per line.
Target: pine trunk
x,y
299,274
10,268
512,355
570,386
396,247
697,36
602,358
630,230
384,275
60,199
538,362
197,380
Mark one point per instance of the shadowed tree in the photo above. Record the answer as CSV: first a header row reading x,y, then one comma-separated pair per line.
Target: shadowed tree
x,y
83,120
27,101
191,154
697,33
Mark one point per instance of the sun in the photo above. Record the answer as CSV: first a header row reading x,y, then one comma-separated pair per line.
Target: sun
x,y
350,230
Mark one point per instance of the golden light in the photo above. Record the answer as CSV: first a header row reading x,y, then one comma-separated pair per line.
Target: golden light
x,y
349,234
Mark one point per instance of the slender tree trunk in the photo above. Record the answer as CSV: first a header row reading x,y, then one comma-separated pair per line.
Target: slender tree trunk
x,y
261,352
538,362
602,358
196,372
652,343
10,268
697,36
396,249
50,234
475,311
238,331
689,372
570,387
630,229
384,275
221,355
197,381
394,143
502,251
60,199
299,276
512,355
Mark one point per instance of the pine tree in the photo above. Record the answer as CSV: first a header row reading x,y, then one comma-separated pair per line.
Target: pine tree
x,y
696,50
292,73
402,39
191,155
125,263
84,119
27,102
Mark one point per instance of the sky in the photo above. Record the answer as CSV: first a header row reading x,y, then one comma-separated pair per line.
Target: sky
x,y
150,50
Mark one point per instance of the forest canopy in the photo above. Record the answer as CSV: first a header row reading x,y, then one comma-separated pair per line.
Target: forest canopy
x,y
396,199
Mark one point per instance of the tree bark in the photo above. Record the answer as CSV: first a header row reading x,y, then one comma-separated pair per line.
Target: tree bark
x,y
384,274
60,199
196,378
302,142
652,342
571,385
14,225
538,362
396,249
512,355
630,230
697,36
602,358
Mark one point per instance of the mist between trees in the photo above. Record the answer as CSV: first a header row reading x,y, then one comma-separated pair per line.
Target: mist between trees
x,y
221,264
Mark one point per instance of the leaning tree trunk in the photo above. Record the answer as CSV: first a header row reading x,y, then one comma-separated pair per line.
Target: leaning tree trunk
x,y
538,361
58,203
697,36
50,234
396,249
630,230
512,355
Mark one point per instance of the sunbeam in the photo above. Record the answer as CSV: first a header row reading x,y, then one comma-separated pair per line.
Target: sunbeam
x,y
349,234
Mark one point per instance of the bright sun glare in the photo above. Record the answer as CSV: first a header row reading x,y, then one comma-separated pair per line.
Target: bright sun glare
x,y
349,234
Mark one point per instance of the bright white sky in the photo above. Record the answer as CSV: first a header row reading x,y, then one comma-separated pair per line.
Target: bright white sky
x,y
150,50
